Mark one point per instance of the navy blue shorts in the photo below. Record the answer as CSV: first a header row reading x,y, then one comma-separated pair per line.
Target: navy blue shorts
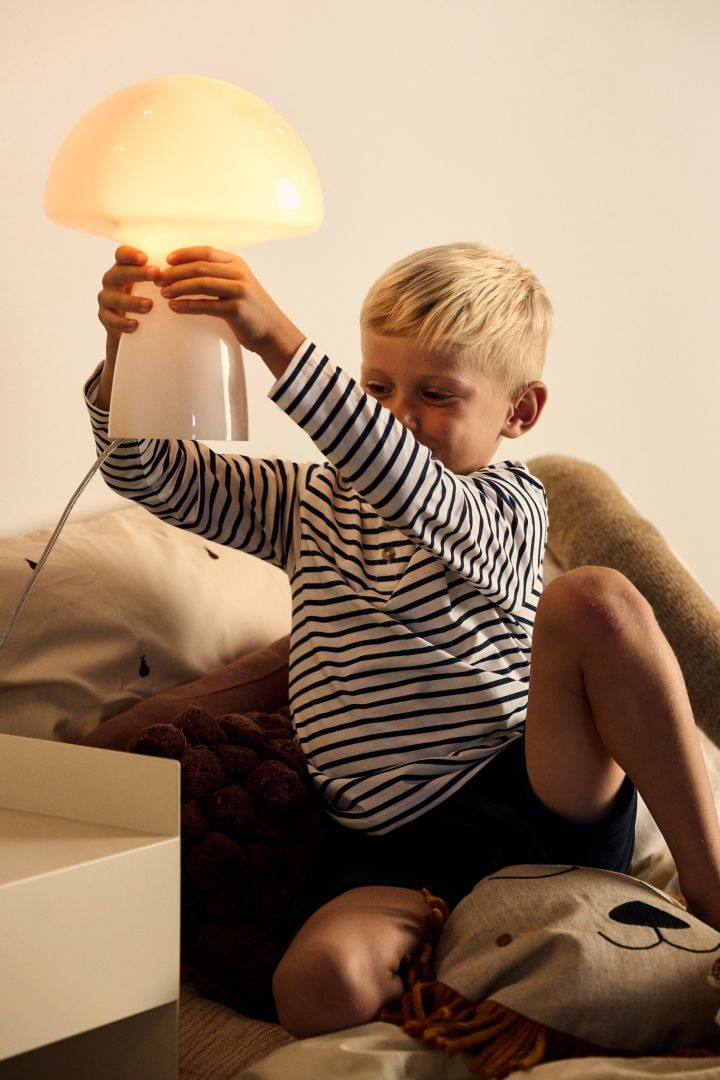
x,y
495,820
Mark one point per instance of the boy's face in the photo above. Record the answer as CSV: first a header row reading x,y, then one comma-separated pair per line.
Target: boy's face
x,y
450,407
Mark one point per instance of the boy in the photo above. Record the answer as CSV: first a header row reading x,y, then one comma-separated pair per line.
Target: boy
x,y
416,571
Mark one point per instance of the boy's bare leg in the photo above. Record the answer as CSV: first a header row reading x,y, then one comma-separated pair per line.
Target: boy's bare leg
x,y
341,967
607,697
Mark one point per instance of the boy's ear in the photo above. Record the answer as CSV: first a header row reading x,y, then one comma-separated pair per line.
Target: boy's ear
x,y
525,412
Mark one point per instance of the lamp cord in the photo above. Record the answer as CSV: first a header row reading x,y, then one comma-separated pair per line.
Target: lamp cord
x,y
51,542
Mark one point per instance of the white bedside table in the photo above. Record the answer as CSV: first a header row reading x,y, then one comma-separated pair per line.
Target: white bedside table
x,y
89,913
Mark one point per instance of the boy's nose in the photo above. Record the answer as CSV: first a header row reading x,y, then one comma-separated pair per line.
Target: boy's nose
x,y
407,415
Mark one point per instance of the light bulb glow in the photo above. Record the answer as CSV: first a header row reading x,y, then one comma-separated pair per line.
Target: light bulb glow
x,y
288,195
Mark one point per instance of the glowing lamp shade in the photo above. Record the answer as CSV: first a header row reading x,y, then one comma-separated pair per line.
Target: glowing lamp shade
x,y
174,162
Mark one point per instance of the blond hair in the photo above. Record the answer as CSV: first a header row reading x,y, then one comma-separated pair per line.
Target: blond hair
x,y
466,298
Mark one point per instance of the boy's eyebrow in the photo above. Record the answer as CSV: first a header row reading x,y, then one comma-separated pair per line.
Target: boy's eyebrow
x,y
435,376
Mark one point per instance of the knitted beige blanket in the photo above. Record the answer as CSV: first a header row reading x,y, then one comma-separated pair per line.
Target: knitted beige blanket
x,y
593,523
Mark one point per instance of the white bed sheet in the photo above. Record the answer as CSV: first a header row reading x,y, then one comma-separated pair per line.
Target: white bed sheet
x,y
380,1051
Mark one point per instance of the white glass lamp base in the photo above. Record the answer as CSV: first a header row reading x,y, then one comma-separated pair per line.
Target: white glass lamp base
x,y
178,376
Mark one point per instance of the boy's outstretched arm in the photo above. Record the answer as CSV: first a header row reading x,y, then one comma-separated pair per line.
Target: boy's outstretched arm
x,y
240,501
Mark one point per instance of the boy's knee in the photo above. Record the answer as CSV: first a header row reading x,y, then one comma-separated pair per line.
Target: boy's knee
x,y
595,603
323,989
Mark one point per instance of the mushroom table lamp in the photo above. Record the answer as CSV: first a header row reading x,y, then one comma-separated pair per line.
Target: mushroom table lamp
x,y
173,162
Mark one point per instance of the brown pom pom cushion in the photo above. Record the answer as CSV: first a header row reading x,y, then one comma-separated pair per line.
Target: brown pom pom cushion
x,y
253,835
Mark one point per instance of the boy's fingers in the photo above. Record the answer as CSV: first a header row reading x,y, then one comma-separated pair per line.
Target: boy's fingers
x,y
123,301
128,274
206,270
115,322
219,308
195,254
127,254
202,286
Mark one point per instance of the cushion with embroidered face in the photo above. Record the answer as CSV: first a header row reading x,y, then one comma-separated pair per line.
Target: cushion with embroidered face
x,y
545,962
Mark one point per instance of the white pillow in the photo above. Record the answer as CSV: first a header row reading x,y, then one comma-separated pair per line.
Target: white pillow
x,y
125,607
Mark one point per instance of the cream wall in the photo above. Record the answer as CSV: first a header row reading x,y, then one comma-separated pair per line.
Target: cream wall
x,y
580,136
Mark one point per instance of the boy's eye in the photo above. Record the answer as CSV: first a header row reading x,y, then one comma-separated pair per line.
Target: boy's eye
x,y
435,397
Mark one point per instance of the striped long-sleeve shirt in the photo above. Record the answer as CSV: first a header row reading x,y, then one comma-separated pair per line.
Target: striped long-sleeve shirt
x,y
413,589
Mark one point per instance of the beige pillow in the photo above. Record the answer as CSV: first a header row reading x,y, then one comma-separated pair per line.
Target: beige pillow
x,y
551,567
125,607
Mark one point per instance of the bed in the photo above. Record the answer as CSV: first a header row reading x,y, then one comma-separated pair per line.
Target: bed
x,y
133,620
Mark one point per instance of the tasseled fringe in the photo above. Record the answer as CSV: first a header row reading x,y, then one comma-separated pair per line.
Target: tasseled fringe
x,y
497,1039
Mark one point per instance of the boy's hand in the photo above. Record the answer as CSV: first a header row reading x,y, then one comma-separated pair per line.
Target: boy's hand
x,y
115,299
221,284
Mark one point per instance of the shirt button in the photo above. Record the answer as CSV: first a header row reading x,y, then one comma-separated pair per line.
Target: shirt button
x,y
388,554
